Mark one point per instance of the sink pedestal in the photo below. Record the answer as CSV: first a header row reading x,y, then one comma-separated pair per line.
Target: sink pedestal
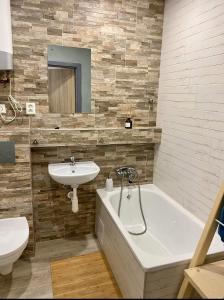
x,y
73,196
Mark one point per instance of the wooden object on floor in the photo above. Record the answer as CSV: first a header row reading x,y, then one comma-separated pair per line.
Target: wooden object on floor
x,y
85,276
201,252
208,279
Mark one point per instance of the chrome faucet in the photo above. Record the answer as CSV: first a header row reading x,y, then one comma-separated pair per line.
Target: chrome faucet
x,y
72,158
127,172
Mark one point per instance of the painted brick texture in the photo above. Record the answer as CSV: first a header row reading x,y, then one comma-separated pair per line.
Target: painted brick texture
x,y
189,163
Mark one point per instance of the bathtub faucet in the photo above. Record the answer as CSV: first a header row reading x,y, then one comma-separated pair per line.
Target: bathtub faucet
x,y
127,172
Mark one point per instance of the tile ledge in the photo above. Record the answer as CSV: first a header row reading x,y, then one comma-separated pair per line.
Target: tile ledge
x,y
99,144
95,136
93,128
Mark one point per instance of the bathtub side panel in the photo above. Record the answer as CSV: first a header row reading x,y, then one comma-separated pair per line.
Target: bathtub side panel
x,y
164,283
126,269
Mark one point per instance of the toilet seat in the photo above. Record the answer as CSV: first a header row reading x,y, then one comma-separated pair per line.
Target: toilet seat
x,y
14,234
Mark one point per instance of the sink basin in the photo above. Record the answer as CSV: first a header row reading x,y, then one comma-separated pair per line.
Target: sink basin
x,y
80,172
73,175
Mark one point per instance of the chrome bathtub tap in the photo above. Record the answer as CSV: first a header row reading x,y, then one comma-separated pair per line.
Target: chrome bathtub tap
x,y
131,174
127,172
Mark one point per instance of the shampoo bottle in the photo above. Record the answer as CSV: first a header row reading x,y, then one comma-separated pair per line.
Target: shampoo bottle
x,y
109,184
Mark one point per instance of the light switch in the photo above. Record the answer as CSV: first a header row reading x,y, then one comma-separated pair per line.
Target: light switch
x,y
30,108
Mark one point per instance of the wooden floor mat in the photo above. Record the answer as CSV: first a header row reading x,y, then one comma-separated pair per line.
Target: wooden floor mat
x,y
85,276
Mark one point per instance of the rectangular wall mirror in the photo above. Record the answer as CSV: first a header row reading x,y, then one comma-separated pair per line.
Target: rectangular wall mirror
x,y
69,79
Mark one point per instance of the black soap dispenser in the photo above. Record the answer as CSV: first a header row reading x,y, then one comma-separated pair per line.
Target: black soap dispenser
x,y
128,123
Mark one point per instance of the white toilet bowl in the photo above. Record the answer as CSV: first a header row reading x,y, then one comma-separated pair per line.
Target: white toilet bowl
x,y
14,234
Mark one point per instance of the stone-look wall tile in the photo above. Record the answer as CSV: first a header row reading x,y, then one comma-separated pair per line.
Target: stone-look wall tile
x,y
52,120
65,137
157,135
15,179
15,183
19,136
125,39
100,136
126,136
52,208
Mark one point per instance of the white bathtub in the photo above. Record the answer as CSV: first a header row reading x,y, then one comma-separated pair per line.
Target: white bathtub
x,y
168,244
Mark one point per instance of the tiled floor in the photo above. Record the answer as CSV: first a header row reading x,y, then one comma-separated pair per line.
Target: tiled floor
x,y
31,278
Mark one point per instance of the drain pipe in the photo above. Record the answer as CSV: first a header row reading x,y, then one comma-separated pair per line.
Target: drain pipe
x,y
74,199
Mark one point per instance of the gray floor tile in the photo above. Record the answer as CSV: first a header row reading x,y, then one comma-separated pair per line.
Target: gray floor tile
x,y
31,278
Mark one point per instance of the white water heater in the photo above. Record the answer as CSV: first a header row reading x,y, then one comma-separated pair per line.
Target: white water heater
x,y
5,36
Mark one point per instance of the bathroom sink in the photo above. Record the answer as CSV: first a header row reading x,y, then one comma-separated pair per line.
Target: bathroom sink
x,y
73,175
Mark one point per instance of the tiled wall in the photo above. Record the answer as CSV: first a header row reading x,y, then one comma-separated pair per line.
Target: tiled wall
x,y
125,41
52,209
15,182
93,136
189,163
125,38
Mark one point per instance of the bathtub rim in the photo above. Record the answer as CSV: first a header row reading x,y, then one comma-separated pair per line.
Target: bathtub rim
x,y
173,261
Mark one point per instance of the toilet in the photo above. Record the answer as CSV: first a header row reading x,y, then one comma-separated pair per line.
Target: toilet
x,y
14,234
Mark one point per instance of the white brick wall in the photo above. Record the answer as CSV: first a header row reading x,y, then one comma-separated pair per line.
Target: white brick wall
x,y
189,163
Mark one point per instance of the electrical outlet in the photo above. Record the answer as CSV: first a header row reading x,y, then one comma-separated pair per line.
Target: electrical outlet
x,y
30,108
2,109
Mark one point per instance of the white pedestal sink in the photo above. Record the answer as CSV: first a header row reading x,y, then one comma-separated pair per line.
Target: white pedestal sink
x,y
73,174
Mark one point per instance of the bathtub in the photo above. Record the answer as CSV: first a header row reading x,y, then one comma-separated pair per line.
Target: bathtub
x,y
149,265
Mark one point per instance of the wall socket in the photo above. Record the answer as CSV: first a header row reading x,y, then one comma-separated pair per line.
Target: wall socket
x,y
2,109
30,108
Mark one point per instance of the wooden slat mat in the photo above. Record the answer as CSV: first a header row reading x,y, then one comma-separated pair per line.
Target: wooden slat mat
x,y
85,276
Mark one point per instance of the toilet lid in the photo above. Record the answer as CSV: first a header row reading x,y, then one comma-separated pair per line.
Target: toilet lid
x,y
14,233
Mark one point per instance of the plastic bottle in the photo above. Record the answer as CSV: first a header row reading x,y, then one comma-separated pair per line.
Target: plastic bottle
x,y
109,184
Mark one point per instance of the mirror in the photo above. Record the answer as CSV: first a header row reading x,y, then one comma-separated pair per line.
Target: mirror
x,y
69,79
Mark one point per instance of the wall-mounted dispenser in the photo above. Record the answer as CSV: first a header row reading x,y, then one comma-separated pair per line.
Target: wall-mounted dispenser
x,y
5,36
